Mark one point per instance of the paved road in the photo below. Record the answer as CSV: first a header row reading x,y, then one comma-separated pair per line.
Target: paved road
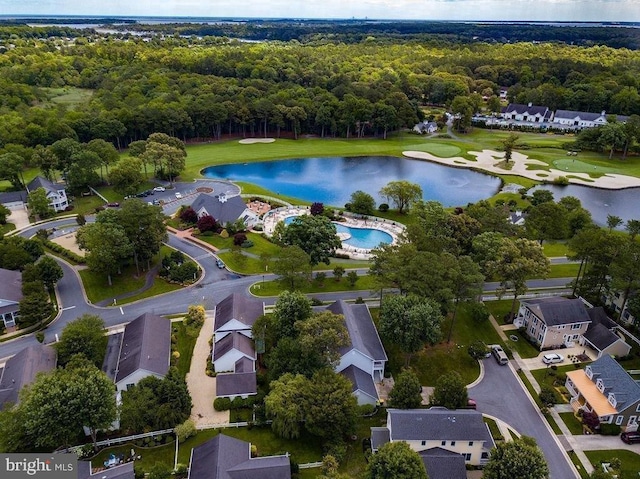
x,y
500,394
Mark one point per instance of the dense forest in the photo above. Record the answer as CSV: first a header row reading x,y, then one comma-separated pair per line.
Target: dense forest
x,y
196,88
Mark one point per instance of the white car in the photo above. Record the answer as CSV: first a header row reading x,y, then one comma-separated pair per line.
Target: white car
x,y
159,188
552,358
178,195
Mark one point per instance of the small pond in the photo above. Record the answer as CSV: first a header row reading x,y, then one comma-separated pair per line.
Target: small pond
x,y
332,180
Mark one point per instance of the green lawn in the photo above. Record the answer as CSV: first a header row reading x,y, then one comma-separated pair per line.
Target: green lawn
x,y
524,348
630,461
444,357
274,288
98,289
184,345
572,422
554,249
567,270
68,96
553,378
499,309
5,228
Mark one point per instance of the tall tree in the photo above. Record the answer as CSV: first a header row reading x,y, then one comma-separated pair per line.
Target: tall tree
x,y
396,460
85,335
315,235
126,176
290,308
518,260
285,405
613,222
82,395
362,203
450,392
465,280
107,246
39,203
508,144
49,271
403,193
323,334
410,322
520,458
11,168
293,266
406,391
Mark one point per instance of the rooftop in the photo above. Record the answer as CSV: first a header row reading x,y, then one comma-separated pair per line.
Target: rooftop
x,y
21,370
239,307
556,310
236,384
443,464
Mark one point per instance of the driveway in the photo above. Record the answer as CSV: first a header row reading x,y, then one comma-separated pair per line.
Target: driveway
x,y
19,217
502,395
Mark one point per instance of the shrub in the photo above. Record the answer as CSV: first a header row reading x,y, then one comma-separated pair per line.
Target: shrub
x,y
189,216
548,396
316,302
185,430
247,244
609,429
320,277
207,223
316,209
239,239
561,181
383,207
359,300
224,234
222,404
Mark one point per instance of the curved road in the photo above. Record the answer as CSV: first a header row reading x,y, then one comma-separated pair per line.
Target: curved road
x,y
501,394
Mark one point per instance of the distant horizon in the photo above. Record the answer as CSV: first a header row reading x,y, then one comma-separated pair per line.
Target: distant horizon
x,y
565,11
27,16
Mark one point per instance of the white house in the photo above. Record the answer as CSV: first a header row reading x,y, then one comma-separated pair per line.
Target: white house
x,y
145,350
56,194
10,296
230,349
236,312
527,113
224,209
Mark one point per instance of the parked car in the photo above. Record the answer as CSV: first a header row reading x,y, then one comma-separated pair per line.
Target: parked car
x,y
220,263
499,354
157,202
113,205
178,195
630,437
471,404
159,188
552,358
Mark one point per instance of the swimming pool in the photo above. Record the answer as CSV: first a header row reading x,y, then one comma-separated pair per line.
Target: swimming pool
x,y
366,238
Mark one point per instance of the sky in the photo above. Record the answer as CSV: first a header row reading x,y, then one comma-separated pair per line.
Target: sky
x,y
539,10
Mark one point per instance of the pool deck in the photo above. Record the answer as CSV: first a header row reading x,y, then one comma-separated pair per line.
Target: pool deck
x,y
273,217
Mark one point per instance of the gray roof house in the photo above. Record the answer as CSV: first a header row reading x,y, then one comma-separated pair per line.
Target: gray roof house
x,y
602,335
443,464
363,360
236,312
13,199
233,348
225,457
462,431
224,209
10,296
122,471
553,322
56,194
145,350
20,370
605,388
527,113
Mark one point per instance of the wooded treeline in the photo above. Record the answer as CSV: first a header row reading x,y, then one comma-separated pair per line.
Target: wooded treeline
x,y
205,88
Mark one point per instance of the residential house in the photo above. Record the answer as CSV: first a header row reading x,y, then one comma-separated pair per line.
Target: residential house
x,y
225,457
615,301
13,200
224,209
577,120
234,354
461,431
443,464
10,296
145,350
553,322
427,127
527,113
602,335
56,194
21,370
121,471
605,388
363,360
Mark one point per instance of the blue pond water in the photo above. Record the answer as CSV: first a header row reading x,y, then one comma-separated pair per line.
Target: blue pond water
x,y
367,238
332,180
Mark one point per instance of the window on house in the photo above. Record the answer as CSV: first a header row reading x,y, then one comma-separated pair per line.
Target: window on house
x,y
453,443
424,443
443,443
467,456
576,326
471,443
129,386
540,337
485,455
638,408
619,420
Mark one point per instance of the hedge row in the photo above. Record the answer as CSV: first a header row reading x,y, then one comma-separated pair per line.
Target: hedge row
x,y
56,248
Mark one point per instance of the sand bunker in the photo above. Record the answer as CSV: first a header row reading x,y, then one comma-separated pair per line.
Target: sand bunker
x,y
488,160
251,141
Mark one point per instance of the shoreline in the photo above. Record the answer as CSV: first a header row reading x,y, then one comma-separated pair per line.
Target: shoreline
x,y
487,162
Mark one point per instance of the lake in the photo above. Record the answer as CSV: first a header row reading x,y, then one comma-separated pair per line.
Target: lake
x,y
623,203
332,180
